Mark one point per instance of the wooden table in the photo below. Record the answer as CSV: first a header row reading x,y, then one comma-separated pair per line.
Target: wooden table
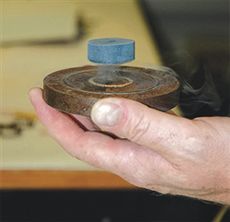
x,y
32,159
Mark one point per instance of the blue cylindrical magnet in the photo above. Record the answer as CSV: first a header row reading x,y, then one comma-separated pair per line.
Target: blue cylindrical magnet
x,y
111,50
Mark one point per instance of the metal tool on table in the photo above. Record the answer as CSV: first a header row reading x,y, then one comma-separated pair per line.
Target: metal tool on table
x,y
75,90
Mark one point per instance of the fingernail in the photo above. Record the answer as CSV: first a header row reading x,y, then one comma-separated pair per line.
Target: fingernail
x,y
106,113
34,91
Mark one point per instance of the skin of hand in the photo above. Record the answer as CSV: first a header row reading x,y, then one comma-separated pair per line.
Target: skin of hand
x,y
153,150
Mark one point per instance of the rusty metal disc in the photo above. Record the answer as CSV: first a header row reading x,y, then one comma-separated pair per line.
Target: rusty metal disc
x,y
75,90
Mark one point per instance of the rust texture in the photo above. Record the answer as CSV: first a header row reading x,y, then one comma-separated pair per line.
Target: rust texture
x,y
75,90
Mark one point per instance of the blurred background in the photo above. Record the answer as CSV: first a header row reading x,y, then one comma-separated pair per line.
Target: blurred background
x,y
38,180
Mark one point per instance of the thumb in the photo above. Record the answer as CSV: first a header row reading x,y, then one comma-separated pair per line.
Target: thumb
x,y
140,124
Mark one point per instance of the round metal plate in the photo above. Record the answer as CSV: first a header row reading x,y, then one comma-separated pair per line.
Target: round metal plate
x,y
75,90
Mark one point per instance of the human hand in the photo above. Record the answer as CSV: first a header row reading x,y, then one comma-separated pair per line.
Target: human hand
x,y
159,151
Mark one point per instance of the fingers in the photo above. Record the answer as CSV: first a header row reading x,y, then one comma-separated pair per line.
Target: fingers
x,y
67,132
148,127
119,156
59,125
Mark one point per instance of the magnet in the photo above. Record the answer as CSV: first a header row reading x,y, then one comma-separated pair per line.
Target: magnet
x,y
111,50
75,90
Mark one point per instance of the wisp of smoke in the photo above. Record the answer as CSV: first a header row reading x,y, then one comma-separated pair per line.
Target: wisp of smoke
x,y
198,89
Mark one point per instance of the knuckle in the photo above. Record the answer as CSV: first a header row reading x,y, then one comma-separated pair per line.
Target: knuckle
x,y
137,128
